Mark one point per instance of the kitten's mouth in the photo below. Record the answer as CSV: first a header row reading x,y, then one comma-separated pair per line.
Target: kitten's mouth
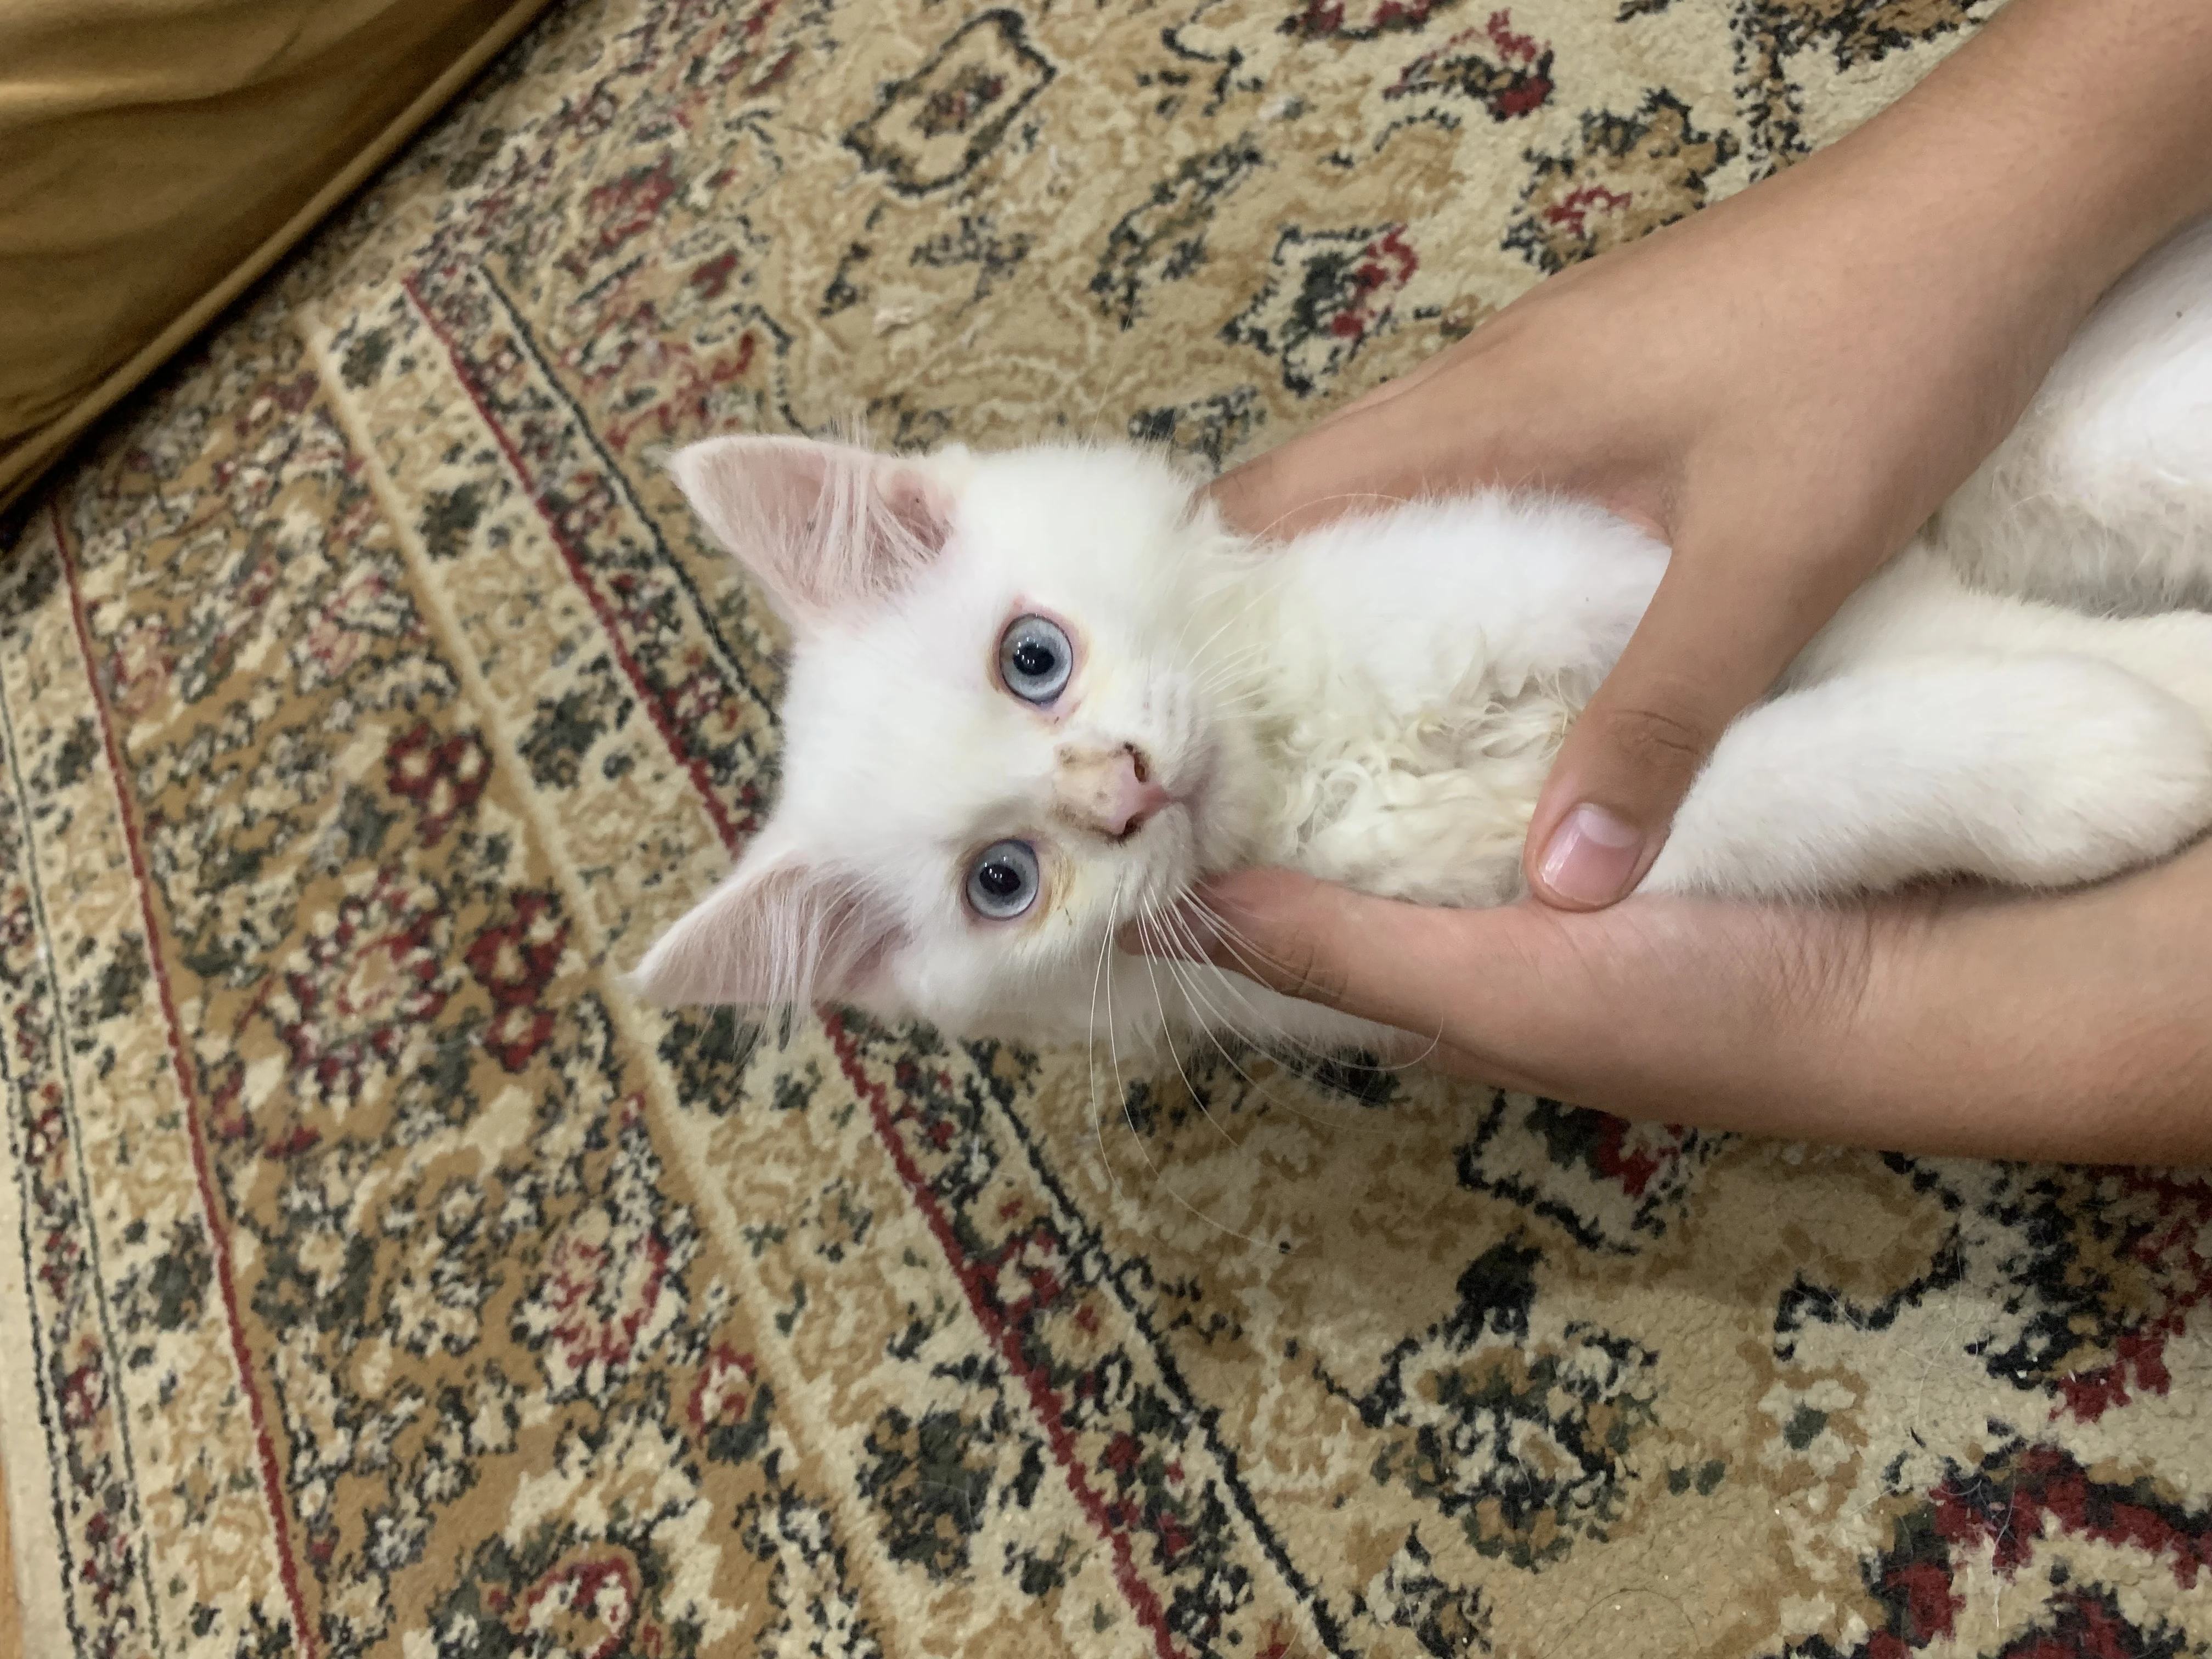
x,y
1189,794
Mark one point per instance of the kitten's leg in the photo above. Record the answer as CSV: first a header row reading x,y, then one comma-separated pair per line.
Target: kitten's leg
x,y
1920,606
2173,651
2032,771
2103,494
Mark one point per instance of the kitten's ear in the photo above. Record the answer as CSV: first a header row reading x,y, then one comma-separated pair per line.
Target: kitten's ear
x,y
821,526
776,933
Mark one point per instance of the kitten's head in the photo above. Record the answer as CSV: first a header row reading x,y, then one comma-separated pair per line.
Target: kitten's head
x,y
1005,729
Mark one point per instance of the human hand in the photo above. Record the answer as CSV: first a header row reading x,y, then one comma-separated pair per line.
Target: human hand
x,y
1784,386
2075,1027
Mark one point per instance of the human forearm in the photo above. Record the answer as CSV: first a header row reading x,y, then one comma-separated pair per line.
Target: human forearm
x,y
2074,1027
2073,134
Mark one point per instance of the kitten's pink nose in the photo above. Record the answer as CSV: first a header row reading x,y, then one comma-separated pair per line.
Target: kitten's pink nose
x,y
1109,790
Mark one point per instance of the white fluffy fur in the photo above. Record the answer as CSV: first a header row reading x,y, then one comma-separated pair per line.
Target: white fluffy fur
x,y
2021,696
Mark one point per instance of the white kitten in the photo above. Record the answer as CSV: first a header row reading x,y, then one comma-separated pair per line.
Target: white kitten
x,y
1034,696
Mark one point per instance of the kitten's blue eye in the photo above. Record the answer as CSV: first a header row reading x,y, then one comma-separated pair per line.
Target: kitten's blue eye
x,y
1002,882
1035,659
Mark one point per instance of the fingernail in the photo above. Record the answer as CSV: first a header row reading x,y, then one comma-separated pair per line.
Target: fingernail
x,y
1592,857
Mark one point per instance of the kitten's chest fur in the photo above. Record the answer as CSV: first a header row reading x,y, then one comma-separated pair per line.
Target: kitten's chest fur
x,y
1406,681
1427,800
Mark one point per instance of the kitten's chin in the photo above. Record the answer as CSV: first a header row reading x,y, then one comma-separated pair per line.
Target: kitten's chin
x,y
1225,803
1222,833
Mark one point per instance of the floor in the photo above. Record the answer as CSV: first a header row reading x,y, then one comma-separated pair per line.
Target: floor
x,y
11,1634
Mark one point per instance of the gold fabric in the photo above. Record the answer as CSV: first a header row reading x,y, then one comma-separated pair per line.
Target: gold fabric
x,y
156,155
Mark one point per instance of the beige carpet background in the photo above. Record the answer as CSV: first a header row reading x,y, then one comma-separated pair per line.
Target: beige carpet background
x,y
376,1279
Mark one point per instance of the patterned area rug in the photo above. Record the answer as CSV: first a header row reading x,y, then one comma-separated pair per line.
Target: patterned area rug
x,y
378,1280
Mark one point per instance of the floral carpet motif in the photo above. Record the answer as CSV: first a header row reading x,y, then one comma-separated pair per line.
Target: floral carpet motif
x,y
378,1279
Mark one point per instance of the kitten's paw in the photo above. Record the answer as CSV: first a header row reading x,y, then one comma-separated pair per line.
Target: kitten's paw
x,y
2044,771
2174,652
2126,781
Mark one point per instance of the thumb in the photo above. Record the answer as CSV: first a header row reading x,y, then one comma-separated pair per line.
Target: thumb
x,y
1710,644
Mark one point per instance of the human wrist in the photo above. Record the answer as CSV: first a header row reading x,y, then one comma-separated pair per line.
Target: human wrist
x,y
2075,1026
2058,147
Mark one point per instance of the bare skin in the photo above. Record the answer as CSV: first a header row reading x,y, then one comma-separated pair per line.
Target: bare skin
x,y
1836,348
2077,1028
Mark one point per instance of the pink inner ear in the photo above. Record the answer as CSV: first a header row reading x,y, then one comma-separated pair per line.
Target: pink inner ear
x,y
917,505
821,526
789,934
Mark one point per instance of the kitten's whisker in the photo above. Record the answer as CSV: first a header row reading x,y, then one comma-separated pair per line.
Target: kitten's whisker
x,y
1144,931
1114,1055
1091,1050
1250,650
1182,635
1245,950
1192,990
1286,1049
1258,1088
1222,670
1258,591
1218,1226
1226,694
1297,1045
1239,653
1227,682
1180,932
1341,495
1277,578
1187,937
